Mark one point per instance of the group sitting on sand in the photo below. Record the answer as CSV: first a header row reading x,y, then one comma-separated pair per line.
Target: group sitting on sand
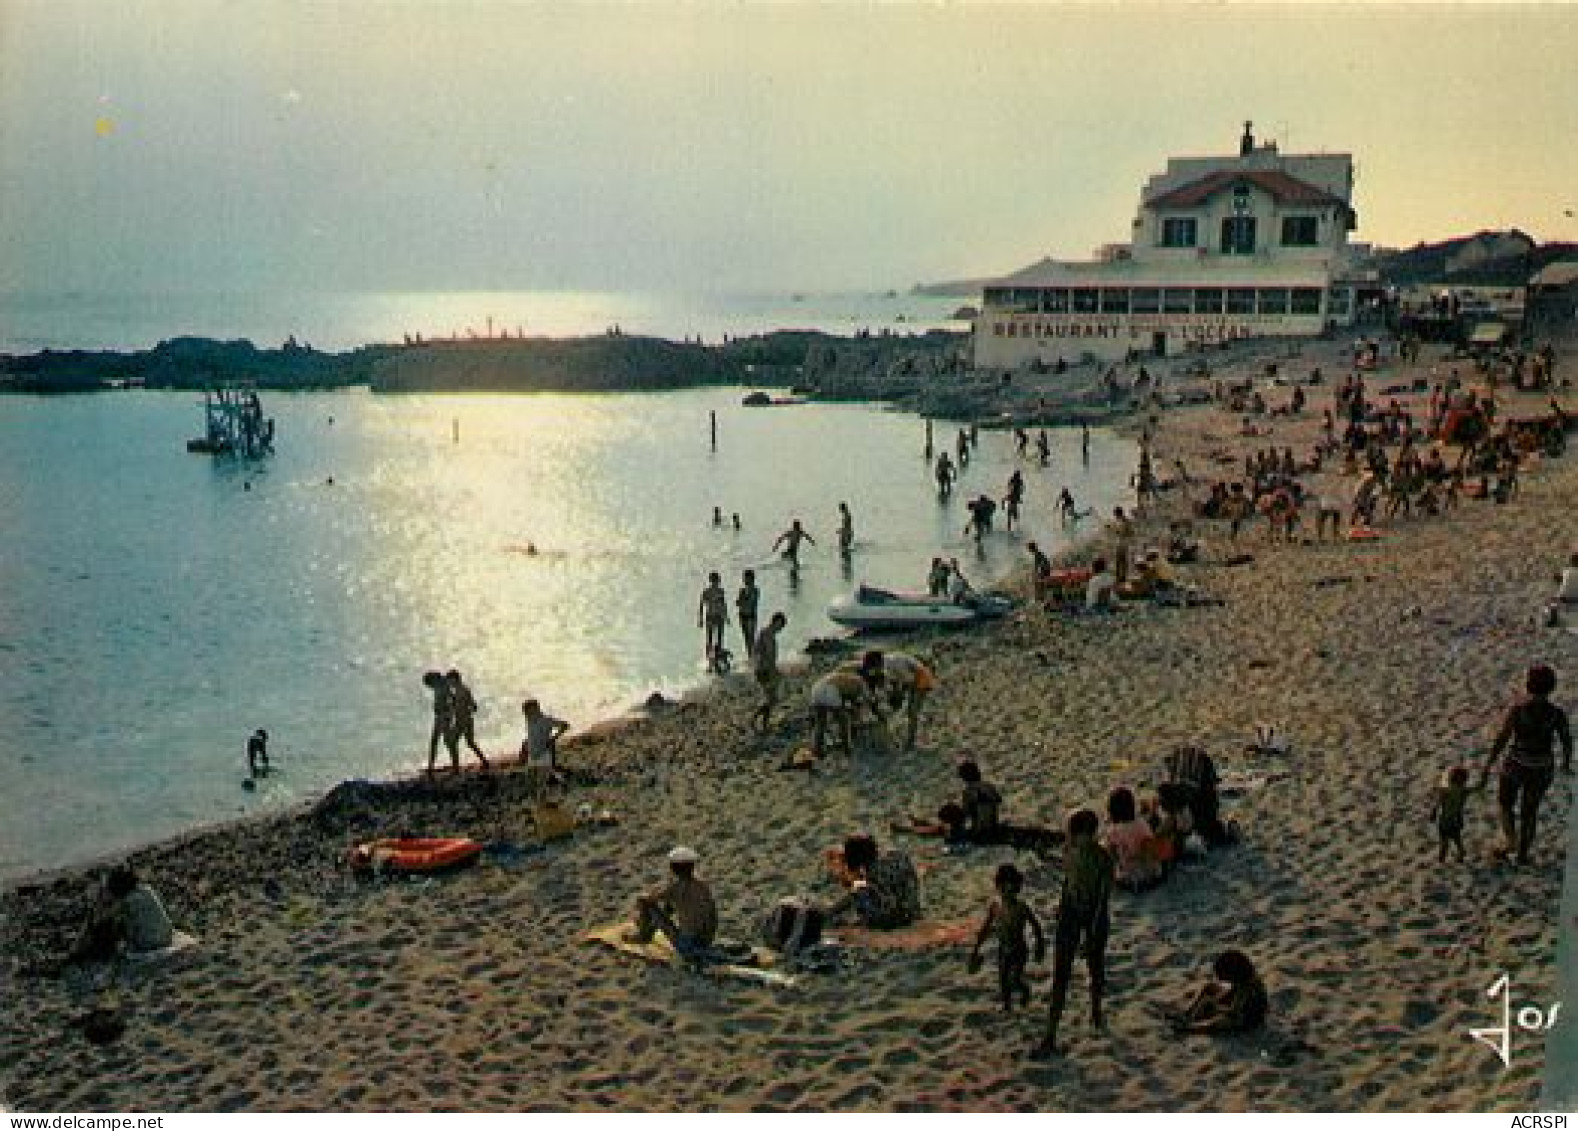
x,y
881,892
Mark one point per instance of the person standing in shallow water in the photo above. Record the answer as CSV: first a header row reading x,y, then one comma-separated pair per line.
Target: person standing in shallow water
x,y
846,530
944,475
746,603
790,540
257,753
1530,733
712,614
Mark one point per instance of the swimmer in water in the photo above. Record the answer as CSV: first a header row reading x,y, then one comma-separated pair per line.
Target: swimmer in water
x,y
257,753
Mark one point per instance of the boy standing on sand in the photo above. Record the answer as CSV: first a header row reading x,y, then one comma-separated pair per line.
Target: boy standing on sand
x,y
764,665
539,749
1083,919
439,686
712,614
1447,812
463,720
1123,535
1009,917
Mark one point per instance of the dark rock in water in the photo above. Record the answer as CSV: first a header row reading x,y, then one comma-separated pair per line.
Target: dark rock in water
x,y
657,702
349,801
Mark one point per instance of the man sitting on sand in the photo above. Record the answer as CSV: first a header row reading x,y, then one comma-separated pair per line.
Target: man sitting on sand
x,y
884,888
1101,590
976,818
683,909
127,912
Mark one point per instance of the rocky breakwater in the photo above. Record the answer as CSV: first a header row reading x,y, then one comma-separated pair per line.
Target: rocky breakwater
x,y
931,374
606,363
186,363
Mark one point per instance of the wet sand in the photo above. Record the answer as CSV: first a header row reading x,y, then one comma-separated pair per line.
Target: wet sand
x,y
1382,662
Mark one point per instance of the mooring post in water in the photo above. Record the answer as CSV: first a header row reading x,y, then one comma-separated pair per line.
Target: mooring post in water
x,y
928,437
713,415
454,429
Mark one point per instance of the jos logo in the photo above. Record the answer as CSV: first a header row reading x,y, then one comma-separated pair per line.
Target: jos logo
x,y
1531,1019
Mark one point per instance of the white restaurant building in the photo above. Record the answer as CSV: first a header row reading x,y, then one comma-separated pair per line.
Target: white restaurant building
x,y
1223,248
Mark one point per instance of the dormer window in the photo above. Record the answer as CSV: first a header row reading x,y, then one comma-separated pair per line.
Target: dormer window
x,y
1300,231
1179,231
1238,235
1240,199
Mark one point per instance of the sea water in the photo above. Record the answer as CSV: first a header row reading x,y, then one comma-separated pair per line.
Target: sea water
x,y
343,320
158,606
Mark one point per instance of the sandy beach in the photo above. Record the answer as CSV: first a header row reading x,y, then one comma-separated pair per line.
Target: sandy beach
x,y
1382,662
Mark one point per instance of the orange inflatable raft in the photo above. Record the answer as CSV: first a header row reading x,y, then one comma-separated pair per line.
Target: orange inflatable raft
x,y
418,854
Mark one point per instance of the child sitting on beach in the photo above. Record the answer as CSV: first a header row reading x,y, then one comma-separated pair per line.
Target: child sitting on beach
x,y
1234,1003
1451,798
1008,917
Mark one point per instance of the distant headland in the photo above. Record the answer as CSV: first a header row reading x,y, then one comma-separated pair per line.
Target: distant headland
x,y
611,362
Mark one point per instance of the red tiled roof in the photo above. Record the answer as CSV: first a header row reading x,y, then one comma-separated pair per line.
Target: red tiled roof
x,y
1286,189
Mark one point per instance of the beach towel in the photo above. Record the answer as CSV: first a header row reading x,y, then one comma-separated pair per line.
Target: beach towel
x,y
1237,783
917,936
660,952
179,941
918,828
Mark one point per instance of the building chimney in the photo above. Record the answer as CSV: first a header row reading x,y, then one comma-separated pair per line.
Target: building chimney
x,y
1246,144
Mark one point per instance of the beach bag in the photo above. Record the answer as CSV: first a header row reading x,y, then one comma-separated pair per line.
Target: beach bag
x,y
553,821
792,925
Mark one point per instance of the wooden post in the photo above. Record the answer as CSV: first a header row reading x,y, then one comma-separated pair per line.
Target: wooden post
x,y
713,415
454,429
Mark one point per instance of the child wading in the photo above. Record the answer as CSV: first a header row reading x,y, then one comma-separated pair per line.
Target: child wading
x,y
1083,918
1008,918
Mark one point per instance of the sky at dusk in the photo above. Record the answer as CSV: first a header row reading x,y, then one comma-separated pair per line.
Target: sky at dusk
x,y
277,145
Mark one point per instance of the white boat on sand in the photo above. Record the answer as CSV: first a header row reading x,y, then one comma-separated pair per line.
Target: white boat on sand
x,y
871,608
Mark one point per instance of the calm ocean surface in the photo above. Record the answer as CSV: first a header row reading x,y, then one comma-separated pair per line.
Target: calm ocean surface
x,y
153,610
